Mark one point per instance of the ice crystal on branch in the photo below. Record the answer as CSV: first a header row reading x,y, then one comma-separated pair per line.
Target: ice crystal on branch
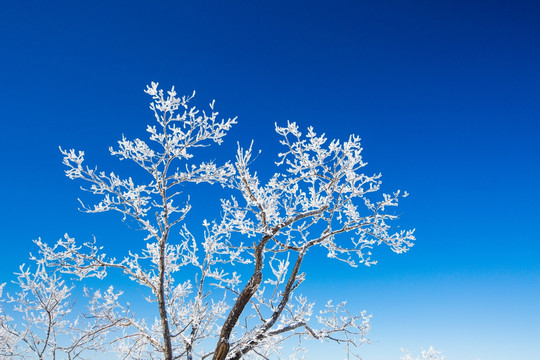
x,y
429,354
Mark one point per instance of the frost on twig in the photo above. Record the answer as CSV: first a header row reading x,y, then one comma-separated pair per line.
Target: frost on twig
x,y
429,354
43,325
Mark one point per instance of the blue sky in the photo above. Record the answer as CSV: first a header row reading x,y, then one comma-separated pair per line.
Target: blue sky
x,y
444,94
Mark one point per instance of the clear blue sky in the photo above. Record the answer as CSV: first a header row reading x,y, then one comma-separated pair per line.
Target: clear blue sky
x,y
445,95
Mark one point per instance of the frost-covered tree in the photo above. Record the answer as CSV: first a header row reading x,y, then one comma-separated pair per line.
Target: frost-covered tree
x,y
41,325
429,354
8,341
230,290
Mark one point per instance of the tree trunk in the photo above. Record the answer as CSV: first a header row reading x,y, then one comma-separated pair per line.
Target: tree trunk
x,y
222,347
167,350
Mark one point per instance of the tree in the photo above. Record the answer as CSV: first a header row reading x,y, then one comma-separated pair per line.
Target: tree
x,y
8,340
43,328
429,354
204,308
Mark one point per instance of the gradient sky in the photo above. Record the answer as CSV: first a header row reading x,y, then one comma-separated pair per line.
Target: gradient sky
x,y
445,95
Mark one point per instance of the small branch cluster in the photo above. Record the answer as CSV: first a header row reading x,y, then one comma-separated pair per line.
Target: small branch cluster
x,y
42,325
429,354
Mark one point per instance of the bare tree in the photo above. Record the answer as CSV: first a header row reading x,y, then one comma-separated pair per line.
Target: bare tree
x,y
204,308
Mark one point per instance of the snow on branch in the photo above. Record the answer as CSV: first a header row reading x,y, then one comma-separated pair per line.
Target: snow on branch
x,y
429,354
321,195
